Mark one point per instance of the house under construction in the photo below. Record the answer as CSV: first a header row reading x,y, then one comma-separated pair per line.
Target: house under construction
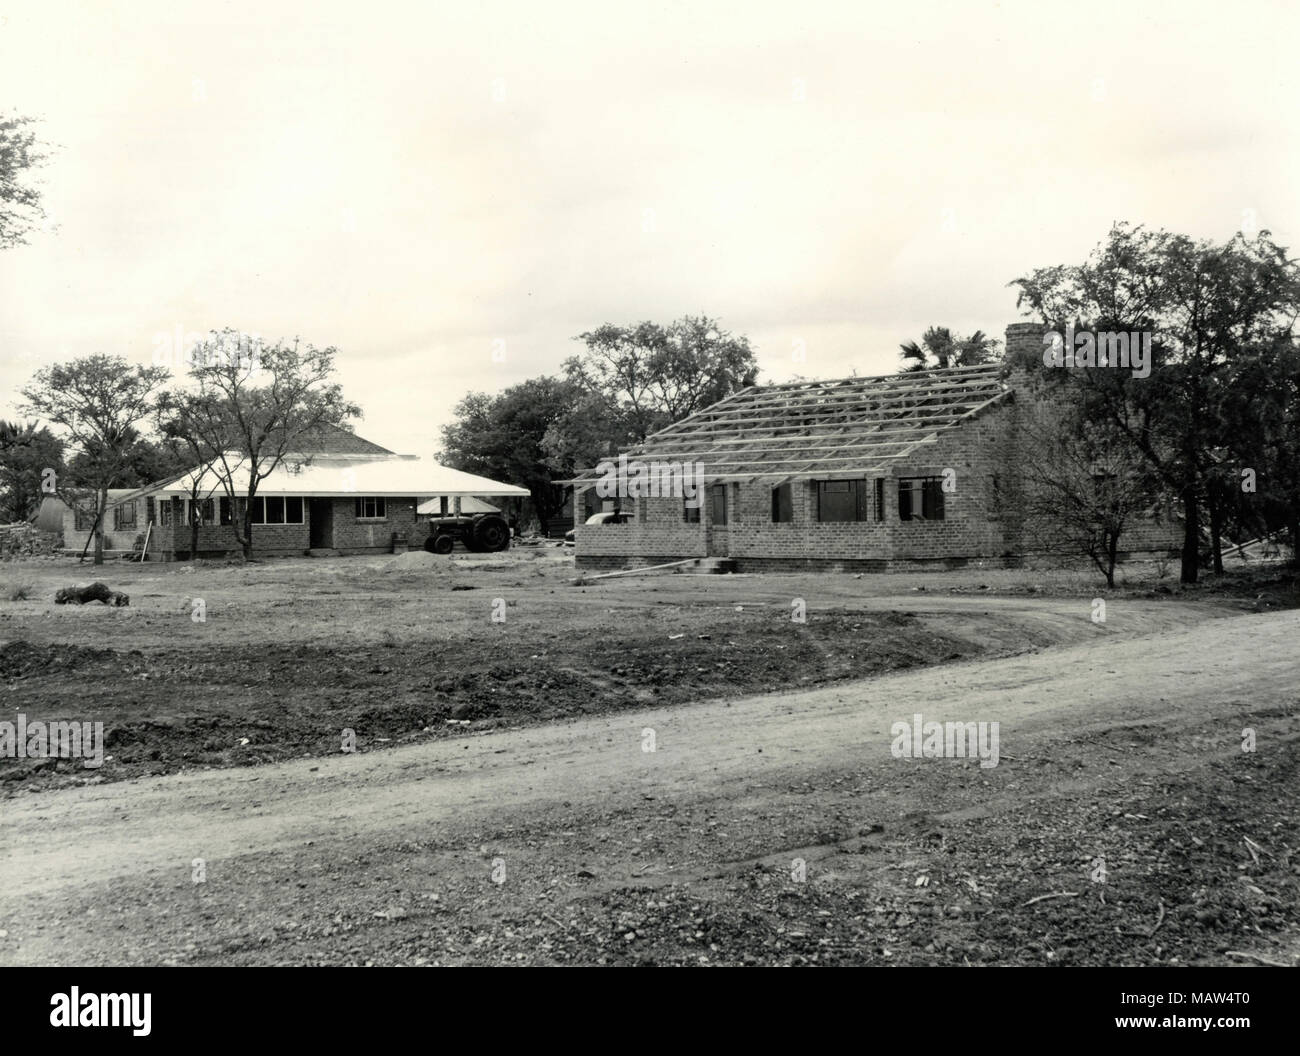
x,y
875,474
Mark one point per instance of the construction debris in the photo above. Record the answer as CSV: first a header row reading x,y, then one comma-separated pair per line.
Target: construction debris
x,y
23,540
84,592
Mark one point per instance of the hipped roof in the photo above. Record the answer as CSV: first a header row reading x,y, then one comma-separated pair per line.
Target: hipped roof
x,y
394,477
822,429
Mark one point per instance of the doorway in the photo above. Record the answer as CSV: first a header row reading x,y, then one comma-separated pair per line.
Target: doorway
x,y
320,512
716,543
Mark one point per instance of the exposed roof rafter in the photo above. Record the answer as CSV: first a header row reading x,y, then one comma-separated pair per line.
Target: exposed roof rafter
x,y
818,428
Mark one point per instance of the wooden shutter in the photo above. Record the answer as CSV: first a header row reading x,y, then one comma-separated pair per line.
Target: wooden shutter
x,y
932,499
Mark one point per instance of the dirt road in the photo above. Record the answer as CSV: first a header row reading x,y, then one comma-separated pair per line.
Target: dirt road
x,y
543,805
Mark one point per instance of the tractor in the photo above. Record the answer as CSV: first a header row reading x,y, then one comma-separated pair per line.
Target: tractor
x,y
479,532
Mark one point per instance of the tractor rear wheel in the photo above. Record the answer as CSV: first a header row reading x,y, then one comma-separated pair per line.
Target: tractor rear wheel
x,y
492,534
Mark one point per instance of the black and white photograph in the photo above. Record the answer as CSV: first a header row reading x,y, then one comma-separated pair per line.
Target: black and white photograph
x,y
652,484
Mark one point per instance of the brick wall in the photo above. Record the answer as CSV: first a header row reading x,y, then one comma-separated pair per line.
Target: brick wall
x,y
1157,535
982,521
351,536
269,540
656,533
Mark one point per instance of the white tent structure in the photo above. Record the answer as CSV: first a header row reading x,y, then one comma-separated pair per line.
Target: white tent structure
x,y
468,504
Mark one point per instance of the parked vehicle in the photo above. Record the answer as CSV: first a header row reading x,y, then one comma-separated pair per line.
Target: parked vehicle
x,y
479,533
605,517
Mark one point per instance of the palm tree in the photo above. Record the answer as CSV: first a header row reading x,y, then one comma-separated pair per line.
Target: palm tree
x,y
978,348
14,434
940,344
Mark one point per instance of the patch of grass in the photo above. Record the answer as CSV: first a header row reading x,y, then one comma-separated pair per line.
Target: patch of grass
x,y
14,586
18,590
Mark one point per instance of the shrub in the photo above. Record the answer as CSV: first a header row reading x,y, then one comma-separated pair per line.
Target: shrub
x,y
17,589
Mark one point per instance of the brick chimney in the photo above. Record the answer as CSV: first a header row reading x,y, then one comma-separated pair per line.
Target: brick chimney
x,y
1025,343
1023,357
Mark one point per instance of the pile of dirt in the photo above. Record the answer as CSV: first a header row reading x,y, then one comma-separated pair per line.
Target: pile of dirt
x,y
21,659
414,560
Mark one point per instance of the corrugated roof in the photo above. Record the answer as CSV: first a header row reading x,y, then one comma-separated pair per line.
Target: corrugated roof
x,y
822,429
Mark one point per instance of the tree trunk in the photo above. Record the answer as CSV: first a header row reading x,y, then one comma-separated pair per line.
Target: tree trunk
x,y
542,507
1295,542
99,526
194,531
247,540
1191,536
1216,533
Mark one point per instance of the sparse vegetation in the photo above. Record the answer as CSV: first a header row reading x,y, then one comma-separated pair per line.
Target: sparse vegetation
x,y
16,587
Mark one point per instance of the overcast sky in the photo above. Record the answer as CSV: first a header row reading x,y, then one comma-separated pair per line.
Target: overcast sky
x,y
414,183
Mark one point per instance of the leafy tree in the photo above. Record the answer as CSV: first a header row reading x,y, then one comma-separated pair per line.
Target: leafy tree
x,y
98,401
502,437
26,452
1082,486
253,404
20,202
1260,466
646,376
143,459
1211,308
940,348
186,449
582,435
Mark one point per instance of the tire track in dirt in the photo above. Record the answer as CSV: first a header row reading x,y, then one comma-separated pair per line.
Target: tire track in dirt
x,y
734,748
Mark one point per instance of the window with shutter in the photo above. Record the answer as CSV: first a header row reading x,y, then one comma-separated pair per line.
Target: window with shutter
x,y
782,504
932,500
718,509
124,517
841,500
920,499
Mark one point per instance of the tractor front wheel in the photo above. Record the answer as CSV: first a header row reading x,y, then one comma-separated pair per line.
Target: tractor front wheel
x,y
439,544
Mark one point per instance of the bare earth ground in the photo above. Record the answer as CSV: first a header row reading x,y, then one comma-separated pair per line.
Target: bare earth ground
x,y
534,828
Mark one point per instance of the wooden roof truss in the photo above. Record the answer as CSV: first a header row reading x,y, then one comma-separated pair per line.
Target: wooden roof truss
x,y
819,429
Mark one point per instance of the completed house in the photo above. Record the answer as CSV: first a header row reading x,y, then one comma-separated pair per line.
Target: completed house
x,y
338,493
